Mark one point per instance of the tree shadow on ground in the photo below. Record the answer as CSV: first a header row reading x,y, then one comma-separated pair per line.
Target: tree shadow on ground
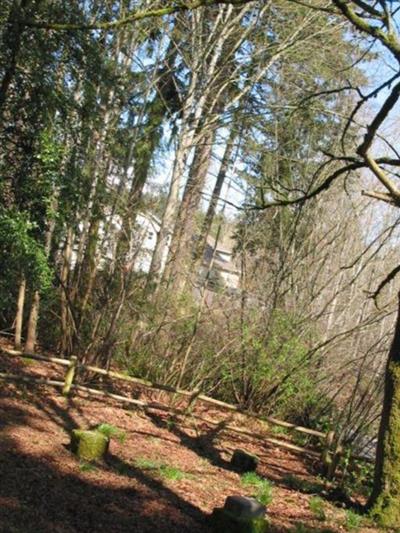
x,y
203,445
39,496
329,491
302,528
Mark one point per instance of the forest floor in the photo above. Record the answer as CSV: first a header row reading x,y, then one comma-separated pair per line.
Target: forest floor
x,y
163,477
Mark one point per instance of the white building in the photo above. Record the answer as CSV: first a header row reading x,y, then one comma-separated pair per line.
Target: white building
x,y
145,240
218,266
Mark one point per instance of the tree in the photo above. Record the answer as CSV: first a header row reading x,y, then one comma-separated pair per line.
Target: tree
x,y
376,21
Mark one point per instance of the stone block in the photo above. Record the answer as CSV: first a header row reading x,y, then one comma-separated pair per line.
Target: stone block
x,y
223,522
89,445
240,515
243,461
244,507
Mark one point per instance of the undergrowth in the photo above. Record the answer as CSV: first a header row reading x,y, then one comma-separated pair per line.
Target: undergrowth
x,y
353,520
112,432
262,487
317,507
303,485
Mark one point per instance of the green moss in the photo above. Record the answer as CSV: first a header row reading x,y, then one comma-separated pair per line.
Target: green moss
x,y
224,522
386,509
89,445
28,361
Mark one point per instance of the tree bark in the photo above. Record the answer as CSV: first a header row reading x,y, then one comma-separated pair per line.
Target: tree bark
x,y
180,256
64,311
385,497
12,39
31,334
32,324
20,314
169,216
212,207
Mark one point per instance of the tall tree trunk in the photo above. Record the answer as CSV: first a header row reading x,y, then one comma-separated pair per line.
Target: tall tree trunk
x,y
20,314
216,194
12,40
180,256
197,106
64,311
169,217
31,333
85,270
385,497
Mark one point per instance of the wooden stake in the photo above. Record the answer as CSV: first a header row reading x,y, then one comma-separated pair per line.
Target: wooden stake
x,y
327,453
69,376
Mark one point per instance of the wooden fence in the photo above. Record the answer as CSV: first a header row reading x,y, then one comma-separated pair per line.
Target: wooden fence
x,y
329,451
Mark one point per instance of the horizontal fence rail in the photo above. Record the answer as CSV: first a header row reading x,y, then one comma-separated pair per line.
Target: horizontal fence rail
x,y
330,451
167,388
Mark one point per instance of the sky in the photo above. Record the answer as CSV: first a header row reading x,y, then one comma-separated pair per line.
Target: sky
x,y
377,71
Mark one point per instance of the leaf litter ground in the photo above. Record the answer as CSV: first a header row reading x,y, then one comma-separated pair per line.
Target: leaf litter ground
x,y
163,476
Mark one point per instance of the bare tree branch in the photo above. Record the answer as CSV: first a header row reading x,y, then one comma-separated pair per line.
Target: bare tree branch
x,y
390,277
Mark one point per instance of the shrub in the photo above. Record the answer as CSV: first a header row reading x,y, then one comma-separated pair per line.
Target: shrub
x,y
317,505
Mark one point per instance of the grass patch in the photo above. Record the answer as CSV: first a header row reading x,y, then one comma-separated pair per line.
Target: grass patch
x,y
87,467
171,424
359,478
146,464
353,520
279,430
165,471
317,507
172,473
123,469
112,432
29,361
263,488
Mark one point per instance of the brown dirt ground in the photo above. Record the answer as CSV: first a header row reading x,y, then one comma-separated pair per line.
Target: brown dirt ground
x,y
44,489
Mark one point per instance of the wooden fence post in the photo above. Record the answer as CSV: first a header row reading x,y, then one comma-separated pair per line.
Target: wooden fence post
x,y
192,402
337,454
69,376
327,453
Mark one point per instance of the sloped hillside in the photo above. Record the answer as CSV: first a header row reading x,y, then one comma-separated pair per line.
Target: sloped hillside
x,y
159,476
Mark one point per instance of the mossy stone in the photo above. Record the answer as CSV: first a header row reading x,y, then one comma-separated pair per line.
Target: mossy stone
x,y
223,521
89,445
